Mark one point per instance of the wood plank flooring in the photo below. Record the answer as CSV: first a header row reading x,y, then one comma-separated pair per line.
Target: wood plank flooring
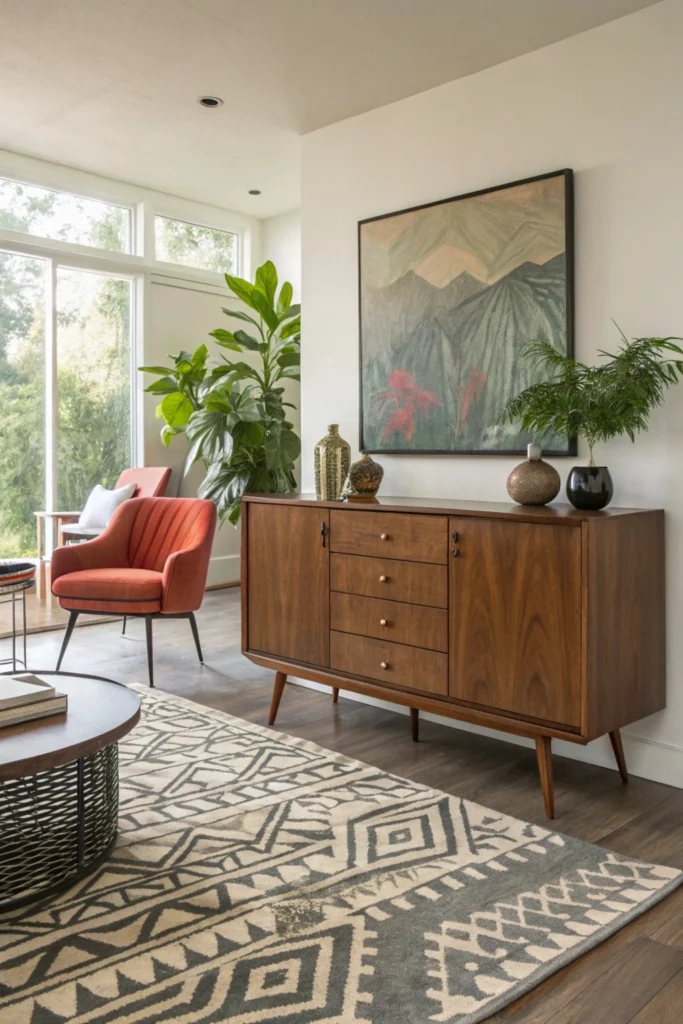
x,y
636,977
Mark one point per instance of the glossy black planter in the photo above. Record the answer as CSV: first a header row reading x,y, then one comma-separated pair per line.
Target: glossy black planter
x,y
589,487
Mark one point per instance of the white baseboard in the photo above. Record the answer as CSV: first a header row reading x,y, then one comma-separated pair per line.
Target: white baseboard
x,y
648,759
223,569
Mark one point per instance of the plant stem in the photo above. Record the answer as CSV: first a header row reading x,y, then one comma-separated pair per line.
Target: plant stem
x,y
591,461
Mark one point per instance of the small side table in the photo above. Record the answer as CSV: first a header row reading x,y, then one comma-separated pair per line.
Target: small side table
x,y
43,575
10,592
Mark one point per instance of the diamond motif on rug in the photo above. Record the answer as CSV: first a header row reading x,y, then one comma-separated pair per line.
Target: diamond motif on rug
x,y
258,878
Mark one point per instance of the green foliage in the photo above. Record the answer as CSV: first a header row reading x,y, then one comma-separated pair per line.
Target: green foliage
x,y
93,439
233,415
597,402
194,246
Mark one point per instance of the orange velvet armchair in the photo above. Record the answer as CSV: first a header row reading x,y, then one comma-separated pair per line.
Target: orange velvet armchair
x,y
151,562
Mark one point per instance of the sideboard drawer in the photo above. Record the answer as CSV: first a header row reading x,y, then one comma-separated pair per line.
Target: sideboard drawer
x,y
394,664
417,538
413,582
390,620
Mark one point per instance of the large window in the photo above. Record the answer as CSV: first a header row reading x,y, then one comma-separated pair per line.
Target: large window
x,y
64,217
192,245
23,283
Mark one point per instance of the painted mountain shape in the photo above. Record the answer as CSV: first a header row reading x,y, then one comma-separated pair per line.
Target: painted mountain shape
x,y
468,353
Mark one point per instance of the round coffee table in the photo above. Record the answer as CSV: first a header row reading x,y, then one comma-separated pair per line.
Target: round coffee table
x,y
59,788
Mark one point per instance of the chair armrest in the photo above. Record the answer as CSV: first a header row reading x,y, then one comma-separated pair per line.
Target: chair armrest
x,y
184,580
108,551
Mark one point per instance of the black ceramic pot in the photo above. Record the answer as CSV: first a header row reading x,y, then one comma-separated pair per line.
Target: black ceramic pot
x,y
589,487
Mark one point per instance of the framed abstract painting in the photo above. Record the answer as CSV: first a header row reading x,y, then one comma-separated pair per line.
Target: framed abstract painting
x,y
449,294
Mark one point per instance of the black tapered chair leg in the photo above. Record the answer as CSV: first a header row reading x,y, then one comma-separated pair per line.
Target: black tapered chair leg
x,y
123,628
195,634
150,649
67,636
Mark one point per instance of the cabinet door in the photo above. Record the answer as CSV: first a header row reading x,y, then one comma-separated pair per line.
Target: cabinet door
x,y
515,618
288,582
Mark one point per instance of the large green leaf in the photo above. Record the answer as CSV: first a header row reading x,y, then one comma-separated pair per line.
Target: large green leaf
x,y
209,438
237,314
246,407
291,311
244,290
199,357
168,433
164,386
246,341
289,359
155,369
176,409
291,329
266,281
282,447
251,434
264,307
226,339
291,372
285,298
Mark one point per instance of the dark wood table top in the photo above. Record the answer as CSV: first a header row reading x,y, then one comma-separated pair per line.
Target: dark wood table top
x,y
99,714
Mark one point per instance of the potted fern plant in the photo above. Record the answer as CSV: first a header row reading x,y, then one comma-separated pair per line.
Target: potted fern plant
x,y
596,402
234,414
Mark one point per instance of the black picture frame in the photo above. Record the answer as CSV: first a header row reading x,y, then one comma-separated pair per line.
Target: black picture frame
x,y
571,448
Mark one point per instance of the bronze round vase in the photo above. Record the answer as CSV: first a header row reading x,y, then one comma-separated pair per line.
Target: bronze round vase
x,y
364,479
533,482
332,458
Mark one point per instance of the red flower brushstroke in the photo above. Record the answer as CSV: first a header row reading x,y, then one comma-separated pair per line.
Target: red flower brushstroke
x,y
468,395
404,398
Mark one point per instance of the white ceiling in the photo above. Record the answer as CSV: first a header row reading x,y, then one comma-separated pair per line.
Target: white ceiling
x,y
110,86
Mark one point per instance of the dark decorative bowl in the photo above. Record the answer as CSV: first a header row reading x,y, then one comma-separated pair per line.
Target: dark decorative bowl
x,y
14,573
590,488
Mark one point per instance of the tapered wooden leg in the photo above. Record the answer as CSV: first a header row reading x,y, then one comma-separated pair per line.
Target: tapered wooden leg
x,y
335,694
544,757
278,687
618,749
415,723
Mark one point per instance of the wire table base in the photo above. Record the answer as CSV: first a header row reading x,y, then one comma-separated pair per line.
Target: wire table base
x,y
12,592
57,826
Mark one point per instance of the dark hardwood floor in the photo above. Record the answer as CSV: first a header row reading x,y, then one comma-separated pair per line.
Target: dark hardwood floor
x,y
637,976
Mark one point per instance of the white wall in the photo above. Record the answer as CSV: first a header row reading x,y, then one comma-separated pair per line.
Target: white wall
x,y
608,103
281,243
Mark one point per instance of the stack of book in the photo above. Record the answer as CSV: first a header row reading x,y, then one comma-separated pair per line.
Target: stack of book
x,y
25,697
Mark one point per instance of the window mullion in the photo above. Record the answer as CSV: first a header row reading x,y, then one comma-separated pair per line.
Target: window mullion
x,y
51,400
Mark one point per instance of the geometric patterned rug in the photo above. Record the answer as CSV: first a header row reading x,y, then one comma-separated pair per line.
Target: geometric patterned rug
x,y
261,879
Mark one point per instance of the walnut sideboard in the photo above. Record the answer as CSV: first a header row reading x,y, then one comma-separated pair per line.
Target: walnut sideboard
x,y
544,622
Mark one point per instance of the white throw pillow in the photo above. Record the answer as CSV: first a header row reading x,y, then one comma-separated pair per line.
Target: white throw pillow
x,y
101,505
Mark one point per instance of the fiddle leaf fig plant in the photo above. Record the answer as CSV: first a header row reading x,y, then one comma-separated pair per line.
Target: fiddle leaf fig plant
x,y
233,414
597,402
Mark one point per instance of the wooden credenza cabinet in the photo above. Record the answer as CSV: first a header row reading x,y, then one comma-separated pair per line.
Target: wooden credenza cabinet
x,y
544,622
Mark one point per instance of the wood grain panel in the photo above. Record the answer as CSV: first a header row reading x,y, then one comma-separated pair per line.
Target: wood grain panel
x,y
412,582
625,621
515,618
390,620
415,538
412,667
288,582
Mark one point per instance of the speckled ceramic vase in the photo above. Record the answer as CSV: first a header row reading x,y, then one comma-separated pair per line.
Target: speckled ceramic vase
x,y
533,482
332,459
363,480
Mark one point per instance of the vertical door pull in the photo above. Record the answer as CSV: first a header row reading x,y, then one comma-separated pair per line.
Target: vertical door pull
x,y
322,533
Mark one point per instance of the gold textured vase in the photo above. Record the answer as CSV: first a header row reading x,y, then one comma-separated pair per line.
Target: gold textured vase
x,y
332,458
533,482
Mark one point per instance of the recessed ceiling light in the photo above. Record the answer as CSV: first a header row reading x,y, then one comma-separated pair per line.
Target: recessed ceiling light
x,y
254,191
210,101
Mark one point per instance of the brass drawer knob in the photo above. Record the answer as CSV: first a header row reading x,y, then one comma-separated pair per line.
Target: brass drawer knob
x,y
384,536
384,579
383,622
384,664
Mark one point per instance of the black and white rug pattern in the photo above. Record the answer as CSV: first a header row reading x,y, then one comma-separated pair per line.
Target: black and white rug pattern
x,y
260,879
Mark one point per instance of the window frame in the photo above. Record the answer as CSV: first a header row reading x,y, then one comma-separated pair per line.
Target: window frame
x,y
236,270
131,209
